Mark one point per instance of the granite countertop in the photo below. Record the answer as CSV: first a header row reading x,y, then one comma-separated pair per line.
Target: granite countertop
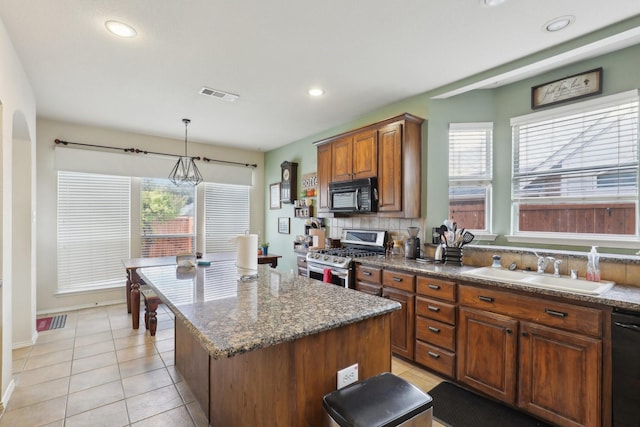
x,y
620,296
229,316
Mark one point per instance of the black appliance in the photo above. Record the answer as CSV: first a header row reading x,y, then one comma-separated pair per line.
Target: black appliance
x,y
625,348
357,196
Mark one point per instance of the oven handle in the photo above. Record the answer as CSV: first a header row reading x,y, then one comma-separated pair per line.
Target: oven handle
x,y
321,271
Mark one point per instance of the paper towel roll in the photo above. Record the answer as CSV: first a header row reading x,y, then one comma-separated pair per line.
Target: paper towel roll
x,y
247,252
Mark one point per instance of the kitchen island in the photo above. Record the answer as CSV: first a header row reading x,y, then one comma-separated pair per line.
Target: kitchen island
x,y
264,351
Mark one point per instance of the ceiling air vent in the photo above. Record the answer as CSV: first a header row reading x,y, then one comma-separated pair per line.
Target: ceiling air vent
x,y
225,96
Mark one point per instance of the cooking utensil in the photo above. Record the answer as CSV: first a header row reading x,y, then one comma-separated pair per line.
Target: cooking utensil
x,y
467,237
443,234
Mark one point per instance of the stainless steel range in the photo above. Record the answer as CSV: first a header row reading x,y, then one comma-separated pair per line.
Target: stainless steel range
x,y
335,265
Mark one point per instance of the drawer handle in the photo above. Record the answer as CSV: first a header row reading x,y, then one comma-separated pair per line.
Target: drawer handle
x,y
434,329
434,355
366,273
433,308
397,279
435,287
555,313
485,299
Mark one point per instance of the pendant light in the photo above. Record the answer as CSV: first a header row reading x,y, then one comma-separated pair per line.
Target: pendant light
x,y
185,172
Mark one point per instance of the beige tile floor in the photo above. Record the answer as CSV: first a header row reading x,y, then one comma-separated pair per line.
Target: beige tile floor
x,y
97,371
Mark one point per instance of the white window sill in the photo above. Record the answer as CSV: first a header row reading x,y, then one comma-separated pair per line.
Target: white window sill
x,y
484,237
559,239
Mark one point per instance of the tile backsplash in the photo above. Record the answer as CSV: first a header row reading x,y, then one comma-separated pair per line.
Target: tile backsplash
x,y
397,227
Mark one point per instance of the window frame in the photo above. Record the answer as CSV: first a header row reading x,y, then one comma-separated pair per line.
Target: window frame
x,y
482,181
546,237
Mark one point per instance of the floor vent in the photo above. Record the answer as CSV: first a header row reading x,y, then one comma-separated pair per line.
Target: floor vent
x,y
225,96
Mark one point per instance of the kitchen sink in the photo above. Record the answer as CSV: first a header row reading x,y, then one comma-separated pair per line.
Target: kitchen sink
x,y
565,284
498,274
546,281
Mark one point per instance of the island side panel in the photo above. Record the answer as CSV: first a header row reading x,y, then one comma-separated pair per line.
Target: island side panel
x,y
283,385
192,362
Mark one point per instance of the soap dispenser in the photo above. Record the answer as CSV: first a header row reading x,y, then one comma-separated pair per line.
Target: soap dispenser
x,y
593,265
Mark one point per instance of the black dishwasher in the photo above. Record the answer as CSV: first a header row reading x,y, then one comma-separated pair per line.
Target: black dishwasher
x,y
625,337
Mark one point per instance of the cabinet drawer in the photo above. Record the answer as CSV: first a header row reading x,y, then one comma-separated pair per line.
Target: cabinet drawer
x,y
551,313
436,288
395,279
369,288
368,274
435,309
435,358
436,333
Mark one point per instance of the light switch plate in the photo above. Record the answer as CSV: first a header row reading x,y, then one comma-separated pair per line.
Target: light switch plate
x,y
347,375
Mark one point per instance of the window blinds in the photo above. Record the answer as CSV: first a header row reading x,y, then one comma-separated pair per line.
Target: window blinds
x,y
226,215
93,230
588,152
470,151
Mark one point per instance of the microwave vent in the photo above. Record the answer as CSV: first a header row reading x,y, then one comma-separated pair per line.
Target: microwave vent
x,y
225,96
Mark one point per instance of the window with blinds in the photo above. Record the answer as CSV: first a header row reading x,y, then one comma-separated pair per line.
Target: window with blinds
x,y
226,212
575,168
470,174
167,217
93,230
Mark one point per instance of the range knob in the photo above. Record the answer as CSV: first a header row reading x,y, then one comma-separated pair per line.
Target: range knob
x,y
340,260
326,258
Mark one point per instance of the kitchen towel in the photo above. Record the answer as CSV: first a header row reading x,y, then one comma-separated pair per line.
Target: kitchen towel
x,y
247,252
326,277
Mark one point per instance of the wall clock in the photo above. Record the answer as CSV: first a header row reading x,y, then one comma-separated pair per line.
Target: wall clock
x,y
289,181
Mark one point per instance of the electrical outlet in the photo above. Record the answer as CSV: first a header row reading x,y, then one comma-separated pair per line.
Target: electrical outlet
x,y
348,375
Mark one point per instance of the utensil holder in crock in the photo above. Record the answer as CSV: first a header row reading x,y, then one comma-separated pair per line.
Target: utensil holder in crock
x,y
452,256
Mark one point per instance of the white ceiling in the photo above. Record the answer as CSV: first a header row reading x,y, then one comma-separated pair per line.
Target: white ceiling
x,y
364,54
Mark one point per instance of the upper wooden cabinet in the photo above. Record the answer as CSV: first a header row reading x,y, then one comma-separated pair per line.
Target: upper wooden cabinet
x,y
390,150
355,157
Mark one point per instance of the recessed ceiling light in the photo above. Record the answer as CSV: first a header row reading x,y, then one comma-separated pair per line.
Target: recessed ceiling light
x,y
559,23
120,29
491,3
316,91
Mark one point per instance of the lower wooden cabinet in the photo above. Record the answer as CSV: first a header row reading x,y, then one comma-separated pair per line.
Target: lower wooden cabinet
x,y
552,373
560,375
487,353
402,321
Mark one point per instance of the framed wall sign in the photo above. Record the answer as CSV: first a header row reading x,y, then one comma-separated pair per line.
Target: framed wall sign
x,y
283,225
567,89
274,196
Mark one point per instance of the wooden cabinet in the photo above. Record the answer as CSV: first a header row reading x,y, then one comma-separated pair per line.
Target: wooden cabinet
x,y
487,353
544,356
560,378
355,157
400,287
324,177
436,325
390,150
369,279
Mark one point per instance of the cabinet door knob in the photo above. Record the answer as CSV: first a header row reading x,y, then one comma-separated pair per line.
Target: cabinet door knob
x,y
525,334
509,331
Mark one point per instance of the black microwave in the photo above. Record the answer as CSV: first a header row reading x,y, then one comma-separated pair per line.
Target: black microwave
x,y
357,196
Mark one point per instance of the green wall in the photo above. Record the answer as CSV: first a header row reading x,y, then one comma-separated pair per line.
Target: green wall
x,y
620,73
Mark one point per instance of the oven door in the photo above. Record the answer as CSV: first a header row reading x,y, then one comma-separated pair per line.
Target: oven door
x,y
339,276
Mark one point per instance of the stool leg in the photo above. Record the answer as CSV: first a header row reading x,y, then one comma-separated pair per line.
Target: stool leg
x,y
128,291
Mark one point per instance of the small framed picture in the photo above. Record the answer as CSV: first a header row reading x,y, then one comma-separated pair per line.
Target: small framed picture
x,y
274,196
283,225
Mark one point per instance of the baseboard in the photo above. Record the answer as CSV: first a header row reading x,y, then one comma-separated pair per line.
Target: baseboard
x,y
7,394
80,307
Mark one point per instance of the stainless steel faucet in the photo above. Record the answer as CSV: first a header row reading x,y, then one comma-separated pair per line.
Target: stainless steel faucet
x,y
556,267
543,261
